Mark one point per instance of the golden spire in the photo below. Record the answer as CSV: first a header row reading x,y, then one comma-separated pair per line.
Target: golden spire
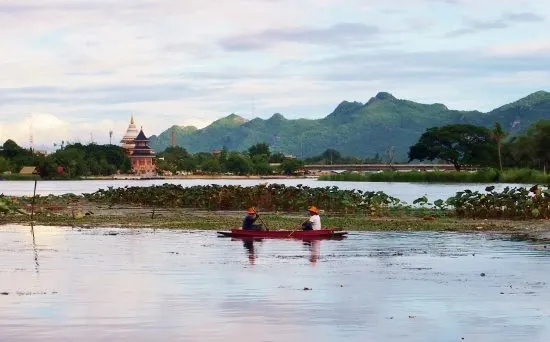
x,y
132,120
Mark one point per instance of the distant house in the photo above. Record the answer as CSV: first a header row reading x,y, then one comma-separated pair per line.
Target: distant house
x,y
28,170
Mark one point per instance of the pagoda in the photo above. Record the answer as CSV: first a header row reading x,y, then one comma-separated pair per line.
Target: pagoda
x,y
128,139
143,156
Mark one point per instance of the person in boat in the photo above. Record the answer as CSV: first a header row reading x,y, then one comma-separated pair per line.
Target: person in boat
x,y
249,219
314,221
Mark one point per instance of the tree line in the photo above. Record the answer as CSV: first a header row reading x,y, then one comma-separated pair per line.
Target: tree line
x,y
462,145
466,145
71,161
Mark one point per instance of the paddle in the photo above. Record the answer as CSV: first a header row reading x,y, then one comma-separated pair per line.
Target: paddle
x,y
292,232
262,221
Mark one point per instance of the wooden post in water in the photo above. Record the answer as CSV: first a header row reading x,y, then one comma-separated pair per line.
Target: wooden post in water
x,y
33,198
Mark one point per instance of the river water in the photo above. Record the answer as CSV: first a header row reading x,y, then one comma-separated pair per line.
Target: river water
x,y
171,285
407,192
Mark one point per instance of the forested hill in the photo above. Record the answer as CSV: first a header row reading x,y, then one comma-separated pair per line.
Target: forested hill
x,y
353,128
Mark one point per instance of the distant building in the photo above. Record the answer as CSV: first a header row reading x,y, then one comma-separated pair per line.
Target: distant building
x,y
28,170
128,139
137,148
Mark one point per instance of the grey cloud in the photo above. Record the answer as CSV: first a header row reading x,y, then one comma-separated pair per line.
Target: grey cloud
x,y
99,95
423,66
339,34
506,20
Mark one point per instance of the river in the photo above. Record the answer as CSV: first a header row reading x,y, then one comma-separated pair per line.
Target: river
x,y
75,284
407,192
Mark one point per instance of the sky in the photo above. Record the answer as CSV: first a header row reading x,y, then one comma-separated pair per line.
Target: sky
x,y
75,70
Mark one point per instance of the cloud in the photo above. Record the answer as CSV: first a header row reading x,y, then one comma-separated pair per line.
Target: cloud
x,y
338,34
194,61
505,21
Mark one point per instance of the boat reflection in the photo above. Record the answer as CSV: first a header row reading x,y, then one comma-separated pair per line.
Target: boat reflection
x,y
250,245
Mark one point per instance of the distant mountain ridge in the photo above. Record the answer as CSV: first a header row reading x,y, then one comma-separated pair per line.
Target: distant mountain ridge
x,y
353,128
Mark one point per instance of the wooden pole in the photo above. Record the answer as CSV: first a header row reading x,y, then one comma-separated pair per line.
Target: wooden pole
x,y
33,199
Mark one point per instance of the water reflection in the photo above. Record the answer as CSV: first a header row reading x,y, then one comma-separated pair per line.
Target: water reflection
x,y
36,263
314,247
250,249
176,285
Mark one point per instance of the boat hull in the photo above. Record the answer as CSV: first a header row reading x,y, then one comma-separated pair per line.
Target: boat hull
x,y
284,234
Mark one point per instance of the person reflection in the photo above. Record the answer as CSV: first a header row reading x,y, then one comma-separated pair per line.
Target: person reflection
x,y
249,246
314,247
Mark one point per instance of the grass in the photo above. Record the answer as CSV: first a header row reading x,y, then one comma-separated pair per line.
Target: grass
x,y
227,220
481,176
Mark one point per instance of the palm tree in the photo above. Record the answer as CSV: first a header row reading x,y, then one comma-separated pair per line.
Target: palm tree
x,y
498,135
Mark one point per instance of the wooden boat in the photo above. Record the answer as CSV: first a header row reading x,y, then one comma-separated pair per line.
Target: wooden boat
x,y
285,234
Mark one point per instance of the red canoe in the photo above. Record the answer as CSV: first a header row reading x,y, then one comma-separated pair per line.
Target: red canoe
x,y
285,234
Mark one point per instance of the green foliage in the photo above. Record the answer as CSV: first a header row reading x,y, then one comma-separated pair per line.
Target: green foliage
x,y
510,203
332,156
239,164
176,159
532,148
457,144
77,160
259,149
290,166
273,197
5,164
277,158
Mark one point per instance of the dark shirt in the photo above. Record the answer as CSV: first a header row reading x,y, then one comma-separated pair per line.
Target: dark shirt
x,y
248,222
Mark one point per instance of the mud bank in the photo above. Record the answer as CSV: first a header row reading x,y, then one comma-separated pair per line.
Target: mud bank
x,y
93,215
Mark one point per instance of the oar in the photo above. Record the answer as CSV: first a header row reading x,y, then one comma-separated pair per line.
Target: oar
x,y
292,232
262,221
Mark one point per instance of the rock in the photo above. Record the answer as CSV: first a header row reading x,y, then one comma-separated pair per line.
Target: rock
x,y
482,274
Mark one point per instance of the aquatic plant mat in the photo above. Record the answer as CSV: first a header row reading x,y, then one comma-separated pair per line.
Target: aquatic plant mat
x,y
513,210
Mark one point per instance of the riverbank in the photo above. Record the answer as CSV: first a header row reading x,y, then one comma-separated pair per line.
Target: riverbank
x,y
90,215
525,176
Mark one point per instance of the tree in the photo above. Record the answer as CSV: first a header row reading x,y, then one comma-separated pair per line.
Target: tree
x,y
498,135
259,149
459,144
5,164
278,157
290,166
238,163
11,150
261,165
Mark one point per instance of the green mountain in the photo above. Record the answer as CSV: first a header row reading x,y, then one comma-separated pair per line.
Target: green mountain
x,y
353,128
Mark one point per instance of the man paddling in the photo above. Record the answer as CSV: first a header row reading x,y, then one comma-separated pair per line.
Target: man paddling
x,y
314,221
249,219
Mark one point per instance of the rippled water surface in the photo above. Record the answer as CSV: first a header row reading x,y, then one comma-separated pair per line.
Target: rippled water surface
x,y
407,192
168,285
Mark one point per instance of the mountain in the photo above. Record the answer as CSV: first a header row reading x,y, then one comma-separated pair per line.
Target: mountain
x,y
353,128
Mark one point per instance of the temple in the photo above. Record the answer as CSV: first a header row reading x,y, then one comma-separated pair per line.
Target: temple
x,y
136,146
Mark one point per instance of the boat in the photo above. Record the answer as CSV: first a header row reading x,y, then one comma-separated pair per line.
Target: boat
x,y
284,234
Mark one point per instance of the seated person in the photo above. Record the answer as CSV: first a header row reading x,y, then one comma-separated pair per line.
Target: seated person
x,y
314,222
249,219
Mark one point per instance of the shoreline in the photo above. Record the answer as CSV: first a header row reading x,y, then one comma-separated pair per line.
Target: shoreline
x,y
131,217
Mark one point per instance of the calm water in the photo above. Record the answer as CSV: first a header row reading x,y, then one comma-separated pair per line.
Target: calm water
x,y
144,285
407,192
